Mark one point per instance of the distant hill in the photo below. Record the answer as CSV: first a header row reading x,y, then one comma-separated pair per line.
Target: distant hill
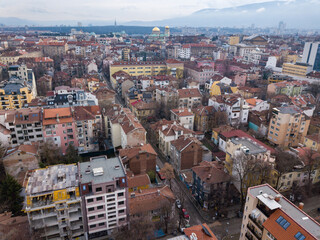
x,y
296,14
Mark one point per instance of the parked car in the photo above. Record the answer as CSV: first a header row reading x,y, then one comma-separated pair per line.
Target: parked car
x,y
178,203
157,168
161,176
185,214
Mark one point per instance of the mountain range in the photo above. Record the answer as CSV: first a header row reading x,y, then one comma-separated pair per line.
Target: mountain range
x,y
300,14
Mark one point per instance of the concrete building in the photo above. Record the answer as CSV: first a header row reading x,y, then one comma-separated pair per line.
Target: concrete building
x,y
104,193
311,55
189,98
53,202
184,116
53,48
288,126
296,69
25,125
269,215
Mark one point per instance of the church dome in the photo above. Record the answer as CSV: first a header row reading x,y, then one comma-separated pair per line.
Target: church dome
x,y
155,30
166,27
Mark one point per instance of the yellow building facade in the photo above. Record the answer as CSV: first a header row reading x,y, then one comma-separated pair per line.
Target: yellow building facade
x,y
14,100
296,69
233,40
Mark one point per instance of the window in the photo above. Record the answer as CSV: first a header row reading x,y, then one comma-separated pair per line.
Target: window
x,y
98,189
99,198
299,236
93,226
101,224
120,194
92,217
121,203
91,209
100,207
100,215
89,200
121,211
283,222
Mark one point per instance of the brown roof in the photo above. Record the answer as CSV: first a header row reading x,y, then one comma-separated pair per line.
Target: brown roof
x,y
82,113
50,116
138,181
129,153
150,199
171,129
314,137
182,112
279,232
203,110
200,233
27,148
192,92
211,172
183,142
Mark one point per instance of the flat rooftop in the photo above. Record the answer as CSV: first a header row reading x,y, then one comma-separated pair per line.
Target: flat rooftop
x,y
253,147
101,169
299,216
46,180
289,110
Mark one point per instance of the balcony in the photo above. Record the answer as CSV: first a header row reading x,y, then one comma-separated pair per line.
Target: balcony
x,y
254,232
256,222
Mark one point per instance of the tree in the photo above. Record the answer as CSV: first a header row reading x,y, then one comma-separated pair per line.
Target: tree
x,y
311,160
219,118
152,176
168,172
10,194
167,214
49,154
285,162
71,155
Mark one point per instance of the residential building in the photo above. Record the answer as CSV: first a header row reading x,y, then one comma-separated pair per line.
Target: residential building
x,y
18,160
88,124
189,98
311,55
210,185
53,48
144,110
65,96
312,141
203,118
44,85
53,202
288,88
138,182
275,78
256,104
104,195
21,71
185,152
25,125
59,128
269,215
249,92
233,40
200,74
236,108
288,126
168,97
258,122
150,202
296,69
222,87
256,40
184,116
123,128
139,159
168,132
201,231
16,92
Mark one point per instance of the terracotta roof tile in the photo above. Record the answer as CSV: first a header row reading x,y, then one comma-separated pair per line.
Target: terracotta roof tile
x,y
138,181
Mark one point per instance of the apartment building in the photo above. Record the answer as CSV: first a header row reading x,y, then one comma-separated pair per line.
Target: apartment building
x,y
296,69
184,116
25,125
104,193
236,108
65,96
288,126
16,92
53,203
312,141
269,215
59,128
311,55
88,124
189,97
291,89
53,48
21,71
123,128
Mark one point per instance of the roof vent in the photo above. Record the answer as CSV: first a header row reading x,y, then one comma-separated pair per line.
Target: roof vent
x,y
260,192
277,198
117,167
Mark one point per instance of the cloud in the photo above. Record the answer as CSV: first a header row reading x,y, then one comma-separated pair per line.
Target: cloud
x,y
260,10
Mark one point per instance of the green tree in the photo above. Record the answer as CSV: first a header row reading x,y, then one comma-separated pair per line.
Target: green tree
x,y
10,195
152,176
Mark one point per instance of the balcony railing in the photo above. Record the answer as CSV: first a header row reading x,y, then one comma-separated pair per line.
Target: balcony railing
x,y
256,223
254,233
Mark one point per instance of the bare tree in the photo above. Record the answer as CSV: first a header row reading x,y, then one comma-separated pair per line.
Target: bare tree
x,y
311,160
285,162
168,172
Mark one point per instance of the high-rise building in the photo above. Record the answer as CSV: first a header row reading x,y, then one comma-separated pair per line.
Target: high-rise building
x,y
311,54
104,191
268,215
53,203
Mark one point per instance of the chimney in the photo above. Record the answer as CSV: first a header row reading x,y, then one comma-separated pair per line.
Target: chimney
x,y
277,198
301,205
158,192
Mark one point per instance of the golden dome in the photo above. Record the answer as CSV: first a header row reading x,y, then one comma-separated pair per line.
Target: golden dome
x,y
166,27
155,29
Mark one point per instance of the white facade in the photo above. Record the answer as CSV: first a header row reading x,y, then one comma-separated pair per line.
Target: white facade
x,y
184,52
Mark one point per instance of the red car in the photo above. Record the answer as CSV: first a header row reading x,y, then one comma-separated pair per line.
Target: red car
x,y
185,214
161,176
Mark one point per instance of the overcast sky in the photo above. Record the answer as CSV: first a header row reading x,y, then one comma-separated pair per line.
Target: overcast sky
x,y
122,10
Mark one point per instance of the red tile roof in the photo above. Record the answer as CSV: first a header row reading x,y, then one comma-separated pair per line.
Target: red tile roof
x,y
200,233
138,181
